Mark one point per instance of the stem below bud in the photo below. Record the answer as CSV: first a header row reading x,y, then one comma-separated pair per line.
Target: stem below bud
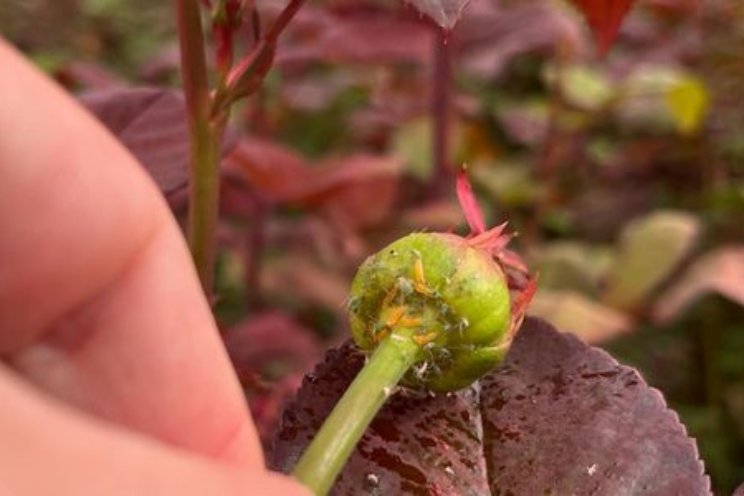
x,y
326,456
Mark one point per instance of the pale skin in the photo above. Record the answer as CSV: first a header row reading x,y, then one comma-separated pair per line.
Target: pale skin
x,y
113,378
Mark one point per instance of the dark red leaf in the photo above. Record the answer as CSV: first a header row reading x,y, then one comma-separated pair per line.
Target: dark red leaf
x,y
559,417
604,18
418,444
152,123
91,77
355,191
360,38
489,37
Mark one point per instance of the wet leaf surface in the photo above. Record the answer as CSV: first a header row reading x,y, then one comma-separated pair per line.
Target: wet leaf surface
x,y
559,417
418,444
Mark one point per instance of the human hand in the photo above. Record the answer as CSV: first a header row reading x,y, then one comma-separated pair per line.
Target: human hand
x,y
113,379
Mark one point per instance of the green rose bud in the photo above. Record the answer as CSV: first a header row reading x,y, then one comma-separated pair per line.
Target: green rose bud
x,y
433,310
452,296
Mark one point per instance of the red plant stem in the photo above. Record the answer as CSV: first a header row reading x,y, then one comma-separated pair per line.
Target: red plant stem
x,y
204,186
286,15
248,74
255,25
255,112
440,108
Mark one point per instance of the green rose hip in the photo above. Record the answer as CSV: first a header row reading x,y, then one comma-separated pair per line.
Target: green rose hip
x,y
452,296
433,311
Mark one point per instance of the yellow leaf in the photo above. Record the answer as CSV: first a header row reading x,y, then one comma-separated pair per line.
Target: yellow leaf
x,y
687,101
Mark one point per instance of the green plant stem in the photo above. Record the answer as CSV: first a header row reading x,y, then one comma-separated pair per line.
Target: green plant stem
x,y
326,456
205,139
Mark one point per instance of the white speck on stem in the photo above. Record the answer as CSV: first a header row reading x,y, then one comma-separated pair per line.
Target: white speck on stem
x,y
591,470
387,391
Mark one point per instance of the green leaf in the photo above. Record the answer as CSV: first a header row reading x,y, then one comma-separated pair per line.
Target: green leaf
x,y
651,248
413,143
511,184
572,266
588,319
583,87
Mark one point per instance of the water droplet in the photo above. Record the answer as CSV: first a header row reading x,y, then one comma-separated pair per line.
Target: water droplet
x,y
371,480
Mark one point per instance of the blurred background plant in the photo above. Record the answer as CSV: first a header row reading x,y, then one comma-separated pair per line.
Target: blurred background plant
x,y
624,175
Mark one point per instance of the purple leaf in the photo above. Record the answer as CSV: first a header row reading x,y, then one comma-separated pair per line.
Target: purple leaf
x,y
359,38
559,417
417,444
490,37
153,125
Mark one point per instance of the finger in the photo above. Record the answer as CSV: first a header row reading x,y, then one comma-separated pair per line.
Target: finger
x,y
47,449
99,303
